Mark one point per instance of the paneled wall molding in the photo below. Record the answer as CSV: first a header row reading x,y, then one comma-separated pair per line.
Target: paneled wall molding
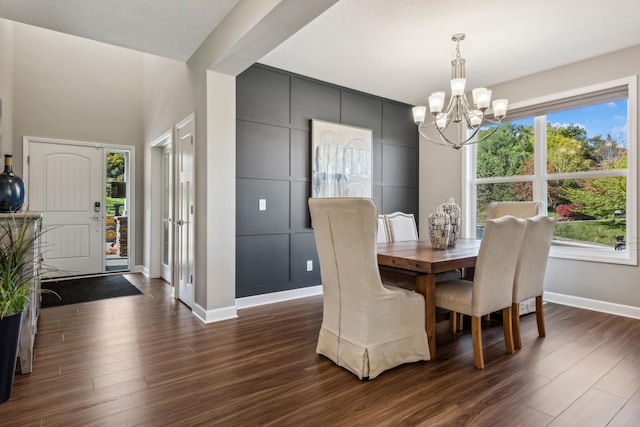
x,y
275,250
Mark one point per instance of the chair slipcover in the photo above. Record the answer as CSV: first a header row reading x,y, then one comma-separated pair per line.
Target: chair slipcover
x,y
492,286
401,227
517,209
530,269
366,326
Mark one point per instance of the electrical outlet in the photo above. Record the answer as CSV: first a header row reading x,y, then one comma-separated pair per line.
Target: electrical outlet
x,y
309,265
262,204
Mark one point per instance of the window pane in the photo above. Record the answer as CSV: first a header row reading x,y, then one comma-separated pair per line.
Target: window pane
x,y
499,192
508,152
588,138
590,212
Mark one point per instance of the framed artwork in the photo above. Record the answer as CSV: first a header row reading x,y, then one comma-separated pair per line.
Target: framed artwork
x,y
341,160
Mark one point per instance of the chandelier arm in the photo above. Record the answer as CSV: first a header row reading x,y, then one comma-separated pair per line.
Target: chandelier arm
x,y
444,142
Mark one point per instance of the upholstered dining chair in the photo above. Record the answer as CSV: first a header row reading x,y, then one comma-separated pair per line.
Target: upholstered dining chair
x,y
382,235
530,269
517,209
367,327
492,286
401,226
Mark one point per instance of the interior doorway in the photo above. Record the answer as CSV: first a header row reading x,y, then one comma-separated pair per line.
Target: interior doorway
x,y
167,210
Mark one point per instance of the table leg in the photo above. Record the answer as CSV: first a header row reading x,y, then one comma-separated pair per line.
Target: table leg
x,y
426,285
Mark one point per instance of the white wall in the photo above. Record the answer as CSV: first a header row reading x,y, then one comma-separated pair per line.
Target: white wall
x,y
6,85
66,87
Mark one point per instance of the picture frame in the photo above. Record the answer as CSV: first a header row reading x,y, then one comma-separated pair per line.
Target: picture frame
x,y
341,160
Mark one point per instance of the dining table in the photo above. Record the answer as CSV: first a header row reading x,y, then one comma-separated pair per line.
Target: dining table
x,y
418,261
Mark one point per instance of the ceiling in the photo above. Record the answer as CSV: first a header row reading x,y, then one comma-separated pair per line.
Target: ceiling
x,y
398,49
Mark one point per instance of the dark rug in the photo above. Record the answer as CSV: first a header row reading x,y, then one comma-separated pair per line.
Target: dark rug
x,y
74,291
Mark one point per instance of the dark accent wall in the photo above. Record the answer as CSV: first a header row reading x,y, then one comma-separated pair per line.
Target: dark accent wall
x,y
274,109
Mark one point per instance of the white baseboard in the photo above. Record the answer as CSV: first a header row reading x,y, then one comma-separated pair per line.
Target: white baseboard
x,y
215,315
225,313
144,270
595,305
274,297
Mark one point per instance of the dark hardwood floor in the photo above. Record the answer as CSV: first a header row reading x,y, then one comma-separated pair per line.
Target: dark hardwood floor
x,y
145,360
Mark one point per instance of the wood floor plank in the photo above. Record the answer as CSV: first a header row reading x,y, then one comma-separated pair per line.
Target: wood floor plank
x,y
146,360
594,408
563,390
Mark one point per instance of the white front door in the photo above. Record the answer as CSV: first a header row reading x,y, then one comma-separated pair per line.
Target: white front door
x,y
65,183
167,208
185,220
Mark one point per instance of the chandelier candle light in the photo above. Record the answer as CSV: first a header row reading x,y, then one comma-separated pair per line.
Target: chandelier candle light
x,y
458,110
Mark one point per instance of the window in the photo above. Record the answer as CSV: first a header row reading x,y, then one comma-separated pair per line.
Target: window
x,y
574,153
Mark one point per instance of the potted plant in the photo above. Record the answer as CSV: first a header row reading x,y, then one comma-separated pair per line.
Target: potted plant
x,y
17,275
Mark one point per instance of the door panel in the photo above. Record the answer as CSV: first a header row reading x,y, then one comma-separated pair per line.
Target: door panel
x,y
185,222
65,184
167,208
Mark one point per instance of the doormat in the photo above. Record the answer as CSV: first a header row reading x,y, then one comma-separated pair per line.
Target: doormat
x,y
74,291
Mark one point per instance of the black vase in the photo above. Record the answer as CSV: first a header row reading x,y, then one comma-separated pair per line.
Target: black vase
x,y
9,336
11,188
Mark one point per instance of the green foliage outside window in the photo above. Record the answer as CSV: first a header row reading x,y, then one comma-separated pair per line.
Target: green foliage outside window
x,y
115,170
598,204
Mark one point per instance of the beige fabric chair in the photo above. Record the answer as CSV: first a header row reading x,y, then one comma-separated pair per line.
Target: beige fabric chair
x,y
382,234
401,226
517,209
366,326
530,270
492,286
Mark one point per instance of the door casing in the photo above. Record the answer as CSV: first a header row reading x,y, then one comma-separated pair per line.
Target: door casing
x,y
27,140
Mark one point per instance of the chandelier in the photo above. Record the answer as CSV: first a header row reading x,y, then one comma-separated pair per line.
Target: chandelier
x,y
458,112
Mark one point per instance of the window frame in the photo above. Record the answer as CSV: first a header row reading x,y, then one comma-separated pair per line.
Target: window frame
x,y
541,177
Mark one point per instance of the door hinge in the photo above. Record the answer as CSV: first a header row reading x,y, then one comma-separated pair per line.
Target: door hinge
x,y
191,209
191,278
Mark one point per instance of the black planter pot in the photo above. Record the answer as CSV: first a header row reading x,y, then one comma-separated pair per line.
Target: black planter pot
x,y
9,337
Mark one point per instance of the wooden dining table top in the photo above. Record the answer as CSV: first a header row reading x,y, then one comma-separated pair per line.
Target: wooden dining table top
x,y
419,256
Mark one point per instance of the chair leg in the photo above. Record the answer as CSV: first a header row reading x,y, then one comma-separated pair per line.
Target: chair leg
x,y
460,321
508,333
540,317
453,317
515,323
488,317
476,337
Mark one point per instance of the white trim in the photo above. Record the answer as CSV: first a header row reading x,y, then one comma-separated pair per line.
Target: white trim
x,y
145,271
138,269
541,177
154,199
575,92
274,297
594,305
215,315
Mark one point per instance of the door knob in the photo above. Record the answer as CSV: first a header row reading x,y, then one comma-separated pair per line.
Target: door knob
x,y
179,222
